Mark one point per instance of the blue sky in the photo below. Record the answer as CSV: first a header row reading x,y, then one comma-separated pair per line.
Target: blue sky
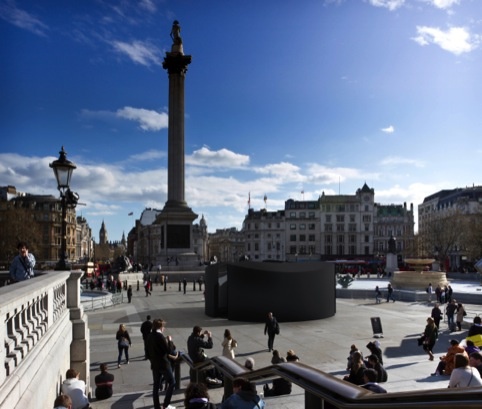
x,y
281,97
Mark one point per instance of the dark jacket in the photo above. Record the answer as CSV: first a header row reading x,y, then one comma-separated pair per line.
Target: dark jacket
x,y
157,351
280,387
121,335
271,326
103,383
375,351
374,387
196,345
201,405
381,372
146,329
475,330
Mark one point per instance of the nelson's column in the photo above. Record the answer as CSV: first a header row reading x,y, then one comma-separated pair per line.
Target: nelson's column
x,y
176,217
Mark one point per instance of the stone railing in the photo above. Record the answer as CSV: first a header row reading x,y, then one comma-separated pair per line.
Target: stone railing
x,y
44,333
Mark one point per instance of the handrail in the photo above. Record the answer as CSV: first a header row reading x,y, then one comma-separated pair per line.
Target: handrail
x,y
325,390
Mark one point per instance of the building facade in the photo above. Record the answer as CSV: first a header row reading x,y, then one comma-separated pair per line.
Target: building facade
x,y
226,245
330,228
37,219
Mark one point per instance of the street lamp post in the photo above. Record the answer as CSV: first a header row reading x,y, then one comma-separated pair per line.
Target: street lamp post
x,y
63,169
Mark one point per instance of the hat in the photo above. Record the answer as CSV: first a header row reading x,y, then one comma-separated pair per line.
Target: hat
x,y
454,342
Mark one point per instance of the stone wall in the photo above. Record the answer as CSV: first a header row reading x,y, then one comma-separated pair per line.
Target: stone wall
x,y
44,333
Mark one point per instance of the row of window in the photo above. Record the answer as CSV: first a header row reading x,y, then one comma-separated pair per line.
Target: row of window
x,y
297,250
342,208
340,250
302,237
352,227
302,226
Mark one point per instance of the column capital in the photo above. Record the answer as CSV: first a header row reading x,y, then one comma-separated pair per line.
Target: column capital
x,y
176,63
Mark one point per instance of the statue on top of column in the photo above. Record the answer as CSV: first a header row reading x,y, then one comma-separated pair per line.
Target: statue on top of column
x,y
176,33
176,38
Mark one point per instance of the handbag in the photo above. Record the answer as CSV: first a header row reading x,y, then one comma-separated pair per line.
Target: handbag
x,y
124,342
421,340
234,343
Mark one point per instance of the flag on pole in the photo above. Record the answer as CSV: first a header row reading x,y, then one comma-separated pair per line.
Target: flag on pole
x,y
265,198
249,200
130,214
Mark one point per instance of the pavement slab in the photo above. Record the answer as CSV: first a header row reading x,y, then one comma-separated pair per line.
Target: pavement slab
x,y
323,344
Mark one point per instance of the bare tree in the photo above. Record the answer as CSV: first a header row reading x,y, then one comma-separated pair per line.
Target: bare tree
x,y
441,235
471,241
18,224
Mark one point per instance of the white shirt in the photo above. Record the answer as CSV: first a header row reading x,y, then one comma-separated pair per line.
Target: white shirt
x,y
75,388
463,377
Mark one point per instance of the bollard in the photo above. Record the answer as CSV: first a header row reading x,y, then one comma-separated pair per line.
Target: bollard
x,y
194,285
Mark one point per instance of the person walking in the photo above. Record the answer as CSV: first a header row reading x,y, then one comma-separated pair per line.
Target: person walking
x,y
429,292
146,328
158,352
378,295
123,344
436,314
450,311
22,265
461,313
228,344
271,328
430,335
390,293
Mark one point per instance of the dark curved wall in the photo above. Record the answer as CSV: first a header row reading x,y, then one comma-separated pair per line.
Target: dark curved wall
x,y
292,291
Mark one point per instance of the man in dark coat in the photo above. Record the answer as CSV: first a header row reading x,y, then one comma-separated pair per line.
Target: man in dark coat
x,y
158,351
146,329
271,328
195,348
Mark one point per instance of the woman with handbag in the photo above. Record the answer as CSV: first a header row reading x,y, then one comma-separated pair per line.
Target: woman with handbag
x,y
123,343
430,337
229,343
461,313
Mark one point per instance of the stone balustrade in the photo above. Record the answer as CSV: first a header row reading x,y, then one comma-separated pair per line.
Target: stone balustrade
x,y
44,333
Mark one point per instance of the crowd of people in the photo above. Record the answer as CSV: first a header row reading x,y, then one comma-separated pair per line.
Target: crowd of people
x,y
462,362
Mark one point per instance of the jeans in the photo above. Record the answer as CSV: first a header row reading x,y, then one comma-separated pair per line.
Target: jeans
x,y
158,375
126,352
271,336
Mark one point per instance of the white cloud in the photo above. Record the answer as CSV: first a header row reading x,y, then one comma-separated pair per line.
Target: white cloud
x,y
456,40
140,52
389,4
398,161
22,19
148,5
148,156
443,4
320,174
287,171
218,159
148,120
389,129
